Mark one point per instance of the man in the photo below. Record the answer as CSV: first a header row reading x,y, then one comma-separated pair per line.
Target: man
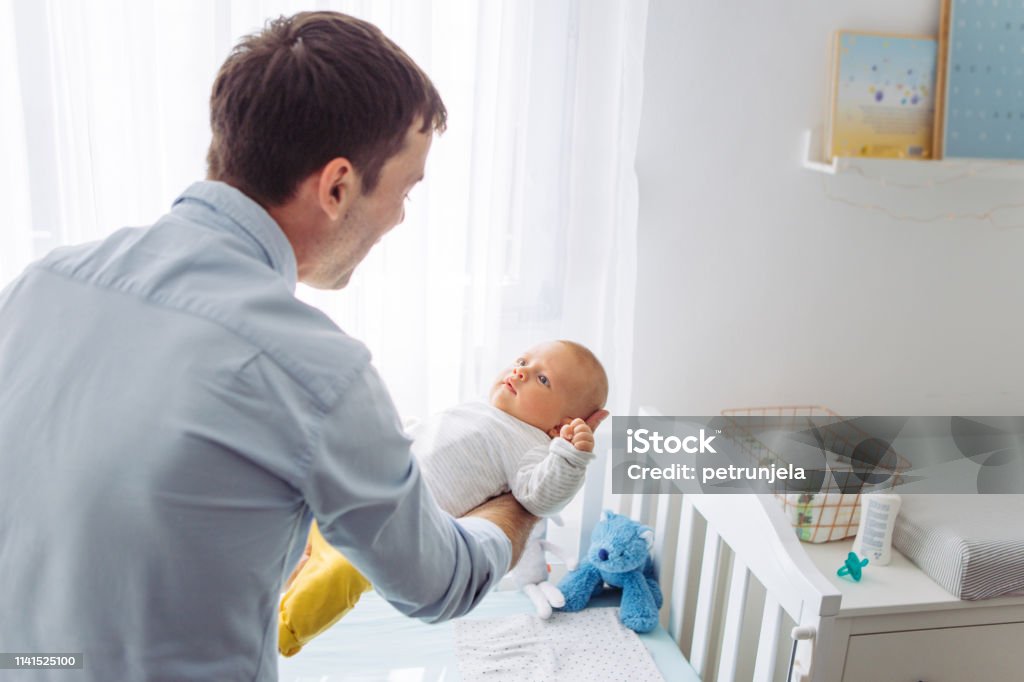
x,y
169,412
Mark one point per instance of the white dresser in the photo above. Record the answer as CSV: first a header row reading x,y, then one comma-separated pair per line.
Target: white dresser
x,y
898,625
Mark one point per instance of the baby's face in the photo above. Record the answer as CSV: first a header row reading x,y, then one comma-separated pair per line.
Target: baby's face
x,y
542,387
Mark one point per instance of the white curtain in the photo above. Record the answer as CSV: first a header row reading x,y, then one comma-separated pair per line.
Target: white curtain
x,y
524,230
526,227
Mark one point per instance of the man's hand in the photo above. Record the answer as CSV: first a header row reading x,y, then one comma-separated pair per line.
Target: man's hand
x,y
506,513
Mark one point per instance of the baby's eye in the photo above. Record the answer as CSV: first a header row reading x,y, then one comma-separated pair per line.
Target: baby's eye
x,y
520,363
543,379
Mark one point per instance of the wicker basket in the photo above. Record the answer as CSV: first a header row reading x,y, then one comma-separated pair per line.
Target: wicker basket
x,y
830,514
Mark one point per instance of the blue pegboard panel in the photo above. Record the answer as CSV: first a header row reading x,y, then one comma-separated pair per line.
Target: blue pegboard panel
x,y
985,80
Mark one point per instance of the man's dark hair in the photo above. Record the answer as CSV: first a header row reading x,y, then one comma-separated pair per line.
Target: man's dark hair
x,y
307,89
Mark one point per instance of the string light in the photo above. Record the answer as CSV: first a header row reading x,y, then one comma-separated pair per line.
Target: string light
x,y
974,171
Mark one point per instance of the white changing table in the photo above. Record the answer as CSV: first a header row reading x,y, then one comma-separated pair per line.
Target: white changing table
x,y
898,624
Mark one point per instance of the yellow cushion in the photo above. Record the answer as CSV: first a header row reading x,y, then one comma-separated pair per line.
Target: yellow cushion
x,y
326,588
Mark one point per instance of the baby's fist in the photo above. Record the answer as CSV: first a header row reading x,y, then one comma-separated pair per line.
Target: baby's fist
x,y
579,434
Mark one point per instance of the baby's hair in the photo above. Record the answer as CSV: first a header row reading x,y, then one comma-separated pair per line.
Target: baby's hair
x,y
599,388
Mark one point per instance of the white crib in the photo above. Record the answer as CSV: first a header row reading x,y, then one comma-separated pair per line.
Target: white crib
x,y
742,598
728,560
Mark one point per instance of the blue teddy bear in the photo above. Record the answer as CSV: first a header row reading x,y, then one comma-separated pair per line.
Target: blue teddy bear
x,y
619,555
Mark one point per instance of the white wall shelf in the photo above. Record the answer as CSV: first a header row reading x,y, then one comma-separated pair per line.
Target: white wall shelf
x,y
919,173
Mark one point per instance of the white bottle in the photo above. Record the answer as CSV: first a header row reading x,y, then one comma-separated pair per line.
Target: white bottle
x,y
874,536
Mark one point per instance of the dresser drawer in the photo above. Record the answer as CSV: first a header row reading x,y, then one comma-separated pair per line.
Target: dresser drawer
x,y
979,652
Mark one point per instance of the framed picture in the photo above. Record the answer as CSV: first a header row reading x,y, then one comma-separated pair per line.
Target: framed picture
x,y
883,100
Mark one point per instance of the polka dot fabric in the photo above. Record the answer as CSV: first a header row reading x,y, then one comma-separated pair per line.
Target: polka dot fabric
x,y
589,646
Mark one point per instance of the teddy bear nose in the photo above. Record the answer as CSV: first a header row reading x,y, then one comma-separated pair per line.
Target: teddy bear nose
x,y
602,554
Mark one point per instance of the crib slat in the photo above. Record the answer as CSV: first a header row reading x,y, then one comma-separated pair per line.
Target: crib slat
x,y
702,635
768,644
593,497
666,531
622,503
680,575
666,526
630,504
645,509
733,621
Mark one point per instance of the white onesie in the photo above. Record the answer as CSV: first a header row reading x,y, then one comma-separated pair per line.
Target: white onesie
x,y
472,452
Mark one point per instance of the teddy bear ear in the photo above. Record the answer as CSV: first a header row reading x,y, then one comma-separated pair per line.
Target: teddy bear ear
x,y
607,514
648,536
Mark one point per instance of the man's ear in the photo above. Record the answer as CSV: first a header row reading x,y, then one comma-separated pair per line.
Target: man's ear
x,y
594,420
337,188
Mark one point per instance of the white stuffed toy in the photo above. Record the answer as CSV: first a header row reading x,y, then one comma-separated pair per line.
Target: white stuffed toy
x,y
531,573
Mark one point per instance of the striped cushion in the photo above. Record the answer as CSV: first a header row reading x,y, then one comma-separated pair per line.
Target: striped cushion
x,y
972,545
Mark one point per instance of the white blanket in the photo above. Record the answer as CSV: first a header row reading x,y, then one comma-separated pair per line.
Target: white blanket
x,y
585,646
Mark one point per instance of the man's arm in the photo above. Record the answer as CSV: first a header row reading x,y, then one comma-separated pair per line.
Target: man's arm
x,y
368,497
514,521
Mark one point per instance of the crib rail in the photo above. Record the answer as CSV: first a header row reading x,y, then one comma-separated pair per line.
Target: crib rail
x,y
738,586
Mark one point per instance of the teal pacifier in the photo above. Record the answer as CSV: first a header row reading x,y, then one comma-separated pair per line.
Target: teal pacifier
x,y
852,566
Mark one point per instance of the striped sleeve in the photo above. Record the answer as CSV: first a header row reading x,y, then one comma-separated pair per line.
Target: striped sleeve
x,y
547,478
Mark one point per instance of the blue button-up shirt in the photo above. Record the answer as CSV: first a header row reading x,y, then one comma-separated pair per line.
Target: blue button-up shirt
x,y
169,414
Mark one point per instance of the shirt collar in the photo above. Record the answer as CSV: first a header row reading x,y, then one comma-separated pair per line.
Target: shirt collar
x,y
248,219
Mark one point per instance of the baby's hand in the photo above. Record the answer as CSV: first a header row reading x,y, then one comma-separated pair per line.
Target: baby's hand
x,y
579,434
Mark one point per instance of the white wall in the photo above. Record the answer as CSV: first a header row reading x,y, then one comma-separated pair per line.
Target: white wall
x,y
756,288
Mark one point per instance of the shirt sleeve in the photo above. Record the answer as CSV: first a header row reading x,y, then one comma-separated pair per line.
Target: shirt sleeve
x,y
549,477
368,497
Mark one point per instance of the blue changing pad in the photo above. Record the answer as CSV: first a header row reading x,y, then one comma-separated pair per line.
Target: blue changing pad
x,y
376,643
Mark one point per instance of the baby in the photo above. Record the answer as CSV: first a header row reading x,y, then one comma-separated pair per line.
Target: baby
x,y
534,438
